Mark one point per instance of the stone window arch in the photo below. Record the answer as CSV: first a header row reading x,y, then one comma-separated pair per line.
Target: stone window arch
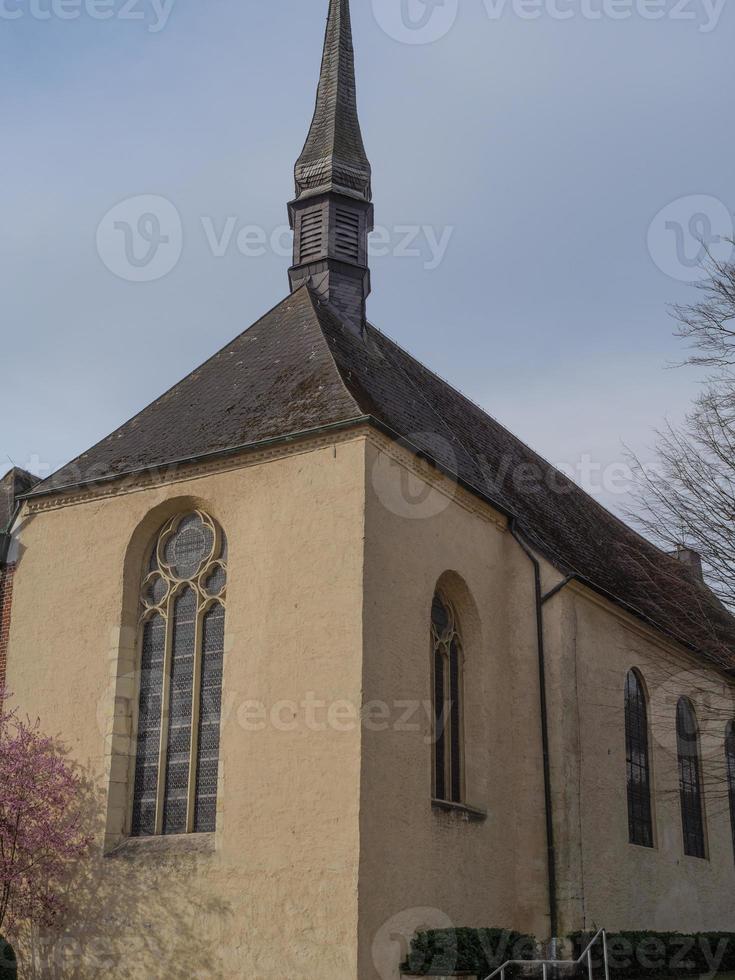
x,y
690,780
448,719
181,651
638,761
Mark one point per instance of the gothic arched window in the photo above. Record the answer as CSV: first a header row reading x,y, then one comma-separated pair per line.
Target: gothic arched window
x,y
730,763
690,780
182,649
446,650
640,817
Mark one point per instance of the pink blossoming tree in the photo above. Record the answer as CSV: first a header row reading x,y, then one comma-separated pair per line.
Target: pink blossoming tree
x,y
41,832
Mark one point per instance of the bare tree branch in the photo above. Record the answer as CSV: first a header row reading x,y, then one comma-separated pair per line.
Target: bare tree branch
x,y
710,324
686,500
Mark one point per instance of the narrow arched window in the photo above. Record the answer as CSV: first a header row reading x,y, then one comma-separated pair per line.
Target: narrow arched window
x,y
690,780
446,650
182,650
730,764
640,817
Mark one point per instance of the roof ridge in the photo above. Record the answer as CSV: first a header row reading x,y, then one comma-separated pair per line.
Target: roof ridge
x,y
317,301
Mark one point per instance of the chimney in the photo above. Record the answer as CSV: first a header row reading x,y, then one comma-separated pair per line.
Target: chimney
x,y
692,559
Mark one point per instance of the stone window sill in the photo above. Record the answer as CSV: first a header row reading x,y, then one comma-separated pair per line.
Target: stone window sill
x,y
463,810
169,845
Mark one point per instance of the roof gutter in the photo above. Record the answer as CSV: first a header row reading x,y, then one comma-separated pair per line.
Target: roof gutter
x,y
714,663
545,740
198,458
276,441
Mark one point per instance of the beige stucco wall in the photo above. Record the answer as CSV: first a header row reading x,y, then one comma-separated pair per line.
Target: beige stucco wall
x,y
421,867
328,853
275,894
609,881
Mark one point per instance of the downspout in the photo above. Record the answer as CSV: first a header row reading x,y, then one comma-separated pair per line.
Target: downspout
x,y
549,809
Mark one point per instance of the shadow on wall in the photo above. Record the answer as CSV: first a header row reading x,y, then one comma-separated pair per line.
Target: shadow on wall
x,y
133,913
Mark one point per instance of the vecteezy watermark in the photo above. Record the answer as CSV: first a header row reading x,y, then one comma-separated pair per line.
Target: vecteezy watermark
x,y
392,943
141,239
426,21
686,232
678,955
407,241
154,14
416,21
306,713
414,494
310,713
705,13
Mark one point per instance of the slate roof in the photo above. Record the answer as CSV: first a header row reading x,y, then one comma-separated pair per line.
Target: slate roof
x,y
276,378
300,368
334,157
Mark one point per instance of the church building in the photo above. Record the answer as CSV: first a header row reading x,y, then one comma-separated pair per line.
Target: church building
x,y
337,652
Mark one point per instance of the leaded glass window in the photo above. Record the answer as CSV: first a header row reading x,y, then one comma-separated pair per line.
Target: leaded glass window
x,y
446,652
690,780
179,707
730,769
640,817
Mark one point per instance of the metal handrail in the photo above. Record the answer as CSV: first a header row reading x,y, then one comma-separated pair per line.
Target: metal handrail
x,y
545,964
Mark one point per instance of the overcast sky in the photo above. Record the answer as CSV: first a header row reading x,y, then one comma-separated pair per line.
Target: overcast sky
x,y
526,149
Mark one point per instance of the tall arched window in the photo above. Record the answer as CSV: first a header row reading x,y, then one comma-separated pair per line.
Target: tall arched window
x,y
730,764
640,818
690,780
182,648
446,649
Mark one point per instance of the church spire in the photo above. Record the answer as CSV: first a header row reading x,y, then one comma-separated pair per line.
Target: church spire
x,y
334,156
331,214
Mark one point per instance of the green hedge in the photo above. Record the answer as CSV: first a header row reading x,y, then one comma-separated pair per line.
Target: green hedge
x,y
638,955
443,952
8,965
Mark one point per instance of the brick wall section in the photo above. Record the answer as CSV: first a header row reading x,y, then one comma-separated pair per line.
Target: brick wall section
x,y
6,597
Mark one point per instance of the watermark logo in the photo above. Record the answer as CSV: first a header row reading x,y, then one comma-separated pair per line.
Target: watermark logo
x,y
416,21
686,232
426,21
154,13
705,14
415,494
392,943
141,239
427,243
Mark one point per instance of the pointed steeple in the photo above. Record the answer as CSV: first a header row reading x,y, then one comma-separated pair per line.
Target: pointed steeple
x,y
332,213
334,158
